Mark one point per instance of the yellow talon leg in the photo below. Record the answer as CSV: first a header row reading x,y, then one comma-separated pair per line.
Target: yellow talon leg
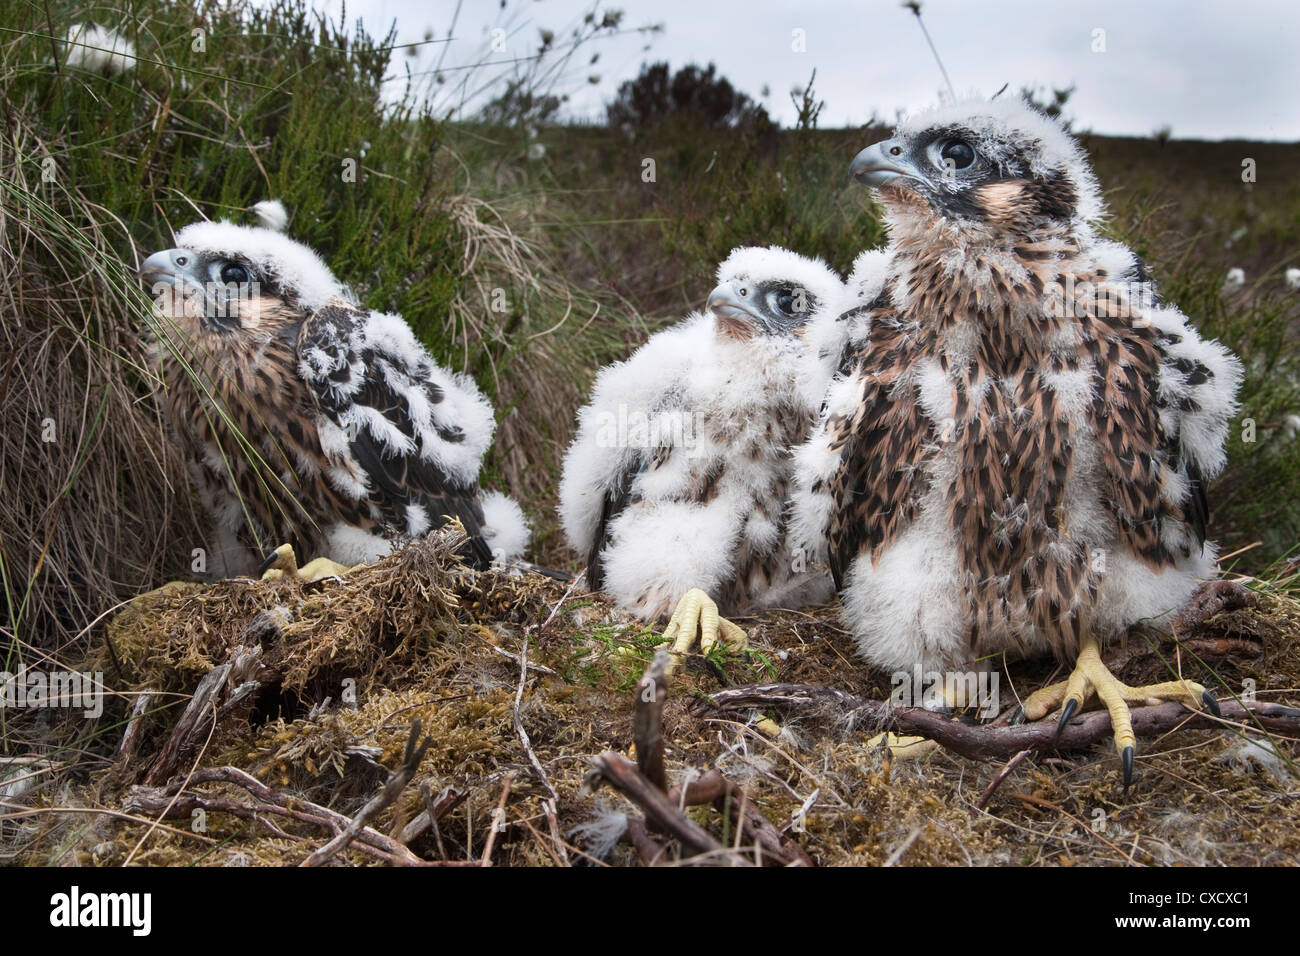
x,y
319,568
697,614
1089,677
902,747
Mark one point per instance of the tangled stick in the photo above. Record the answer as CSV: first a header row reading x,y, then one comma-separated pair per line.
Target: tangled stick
x,y
221,690
623,775
726,797
986,741
645,784
270,802
397,781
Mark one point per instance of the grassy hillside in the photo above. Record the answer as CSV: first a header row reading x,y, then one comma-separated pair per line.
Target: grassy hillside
x,y
97,170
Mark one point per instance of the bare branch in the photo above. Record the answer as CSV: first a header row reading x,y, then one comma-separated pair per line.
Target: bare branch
x,y
648,720
991,741
397,781
621,774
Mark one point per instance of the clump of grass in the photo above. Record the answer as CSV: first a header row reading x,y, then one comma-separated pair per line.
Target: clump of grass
x,y
90,490
262,101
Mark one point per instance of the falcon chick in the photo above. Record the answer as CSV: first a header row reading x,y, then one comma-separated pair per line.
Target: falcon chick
x,y
309,419
677,484
1015,453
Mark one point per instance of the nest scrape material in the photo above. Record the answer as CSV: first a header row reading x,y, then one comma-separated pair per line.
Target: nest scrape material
x,y
325,682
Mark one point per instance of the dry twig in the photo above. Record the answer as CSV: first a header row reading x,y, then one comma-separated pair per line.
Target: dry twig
x,y
621,774
1012,764
268,801
131,736
397,781
987,741
498,822
648,719
434,810
519,724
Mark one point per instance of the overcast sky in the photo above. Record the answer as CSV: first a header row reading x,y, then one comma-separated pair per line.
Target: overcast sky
x,y
1212,69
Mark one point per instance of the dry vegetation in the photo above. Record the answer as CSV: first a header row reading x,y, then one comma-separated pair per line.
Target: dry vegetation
x,y
319,689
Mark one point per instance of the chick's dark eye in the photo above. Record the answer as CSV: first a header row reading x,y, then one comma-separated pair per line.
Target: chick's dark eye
x,y
785,301
957,153
232,273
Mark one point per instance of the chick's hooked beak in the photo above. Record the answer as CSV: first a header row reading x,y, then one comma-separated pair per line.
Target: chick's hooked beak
x,y
732,303
179,267
883,164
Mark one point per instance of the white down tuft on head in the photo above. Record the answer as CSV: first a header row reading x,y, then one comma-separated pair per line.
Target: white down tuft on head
x,y
271,214
294,266
774,262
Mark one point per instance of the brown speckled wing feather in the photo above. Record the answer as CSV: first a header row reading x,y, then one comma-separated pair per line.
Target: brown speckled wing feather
x,y
396,480
881,447
1125,418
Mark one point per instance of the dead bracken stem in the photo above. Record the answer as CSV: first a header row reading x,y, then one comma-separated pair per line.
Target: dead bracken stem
x,y
498,821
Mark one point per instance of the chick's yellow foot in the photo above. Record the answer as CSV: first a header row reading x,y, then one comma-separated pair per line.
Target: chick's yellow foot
x,y
908,747
902,747
283,563
697,613
1089,677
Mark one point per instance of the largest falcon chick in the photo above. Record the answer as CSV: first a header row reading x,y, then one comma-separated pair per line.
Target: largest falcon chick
x,y
677,484
307,418
1014,455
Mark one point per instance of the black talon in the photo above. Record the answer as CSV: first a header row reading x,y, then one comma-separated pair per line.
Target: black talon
x,y
1126,758
1067,712
266,563
1211,703
1017,716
